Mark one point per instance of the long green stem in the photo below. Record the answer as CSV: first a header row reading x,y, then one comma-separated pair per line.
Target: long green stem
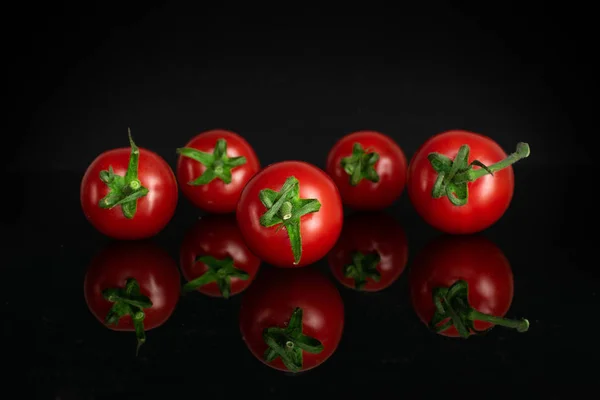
x,y
521,325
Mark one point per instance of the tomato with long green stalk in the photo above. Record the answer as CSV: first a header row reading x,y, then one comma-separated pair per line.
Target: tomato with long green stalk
x,y
290,214
129,193
369,169
132,286
213,168
462,182
292,319
214,258
463,285
371,253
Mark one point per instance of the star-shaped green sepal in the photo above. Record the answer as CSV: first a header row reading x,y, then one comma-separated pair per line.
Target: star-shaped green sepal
x,y
363,267
360,165
125,190
218,164
285,208
219,271
289,342
128,301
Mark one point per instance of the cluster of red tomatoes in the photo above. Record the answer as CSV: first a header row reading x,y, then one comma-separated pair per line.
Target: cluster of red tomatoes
x,y
290,215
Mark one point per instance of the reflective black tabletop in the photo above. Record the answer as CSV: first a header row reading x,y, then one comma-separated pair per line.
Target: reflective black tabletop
x,y
67,351
292,95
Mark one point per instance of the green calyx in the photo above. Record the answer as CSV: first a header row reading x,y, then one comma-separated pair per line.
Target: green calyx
x,y
125,190
454,175
128,301
363,267
289,342
219,271
452,308
218,164
285,208
360,165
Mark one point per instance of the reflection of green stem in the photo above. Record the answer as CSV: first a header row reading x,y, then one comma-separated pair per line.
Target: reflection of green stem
x,y
219,271
521,325
363,267
452,308
289,342
128,301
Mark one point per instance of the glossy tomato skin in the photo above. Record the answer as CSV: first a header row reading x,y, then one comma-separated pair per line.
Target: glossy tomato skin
x,y
319,230
152,267
154,210
371,232
474,259
273,297
391,168
217,196
489,196
217,235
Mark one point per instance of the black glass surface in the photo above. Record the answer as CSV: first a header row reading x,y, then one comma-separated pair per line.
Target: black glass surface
x,y
292,90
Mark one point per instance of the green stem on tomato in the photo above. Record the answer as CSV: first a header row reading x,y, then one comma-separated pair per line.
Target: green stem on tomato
x,y
218,164
360,165
452,309
124,191
454,175
285,208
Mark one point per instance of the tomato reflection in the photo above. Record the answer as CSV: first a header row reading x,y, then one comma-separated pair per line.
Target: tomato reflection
x,y
371,252
461,285
292,319
214,258
132,286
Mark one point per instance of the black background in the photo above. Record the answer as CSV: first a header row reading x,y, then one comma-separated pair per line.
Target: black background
x,y
292,82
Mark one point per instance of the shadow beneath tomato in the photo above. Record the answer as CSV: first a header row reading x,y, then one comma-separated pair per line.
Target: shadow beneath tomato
x,y
292,319
371,253
214,258
132,286
462,285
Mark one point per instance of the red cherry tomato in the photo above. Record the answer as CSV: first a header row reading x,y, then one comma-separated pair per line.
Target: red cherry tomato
x,y
290,214
215,259
369,169
371,252
476,280
129,193
132,286
214,167
292,319
467,200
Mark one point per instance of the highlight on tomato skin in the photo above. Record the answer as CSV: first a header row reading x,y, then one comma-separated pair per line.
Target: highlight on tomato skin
x,y
369,169
462,286
215,259
292,320
371,253
462,182
132,287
